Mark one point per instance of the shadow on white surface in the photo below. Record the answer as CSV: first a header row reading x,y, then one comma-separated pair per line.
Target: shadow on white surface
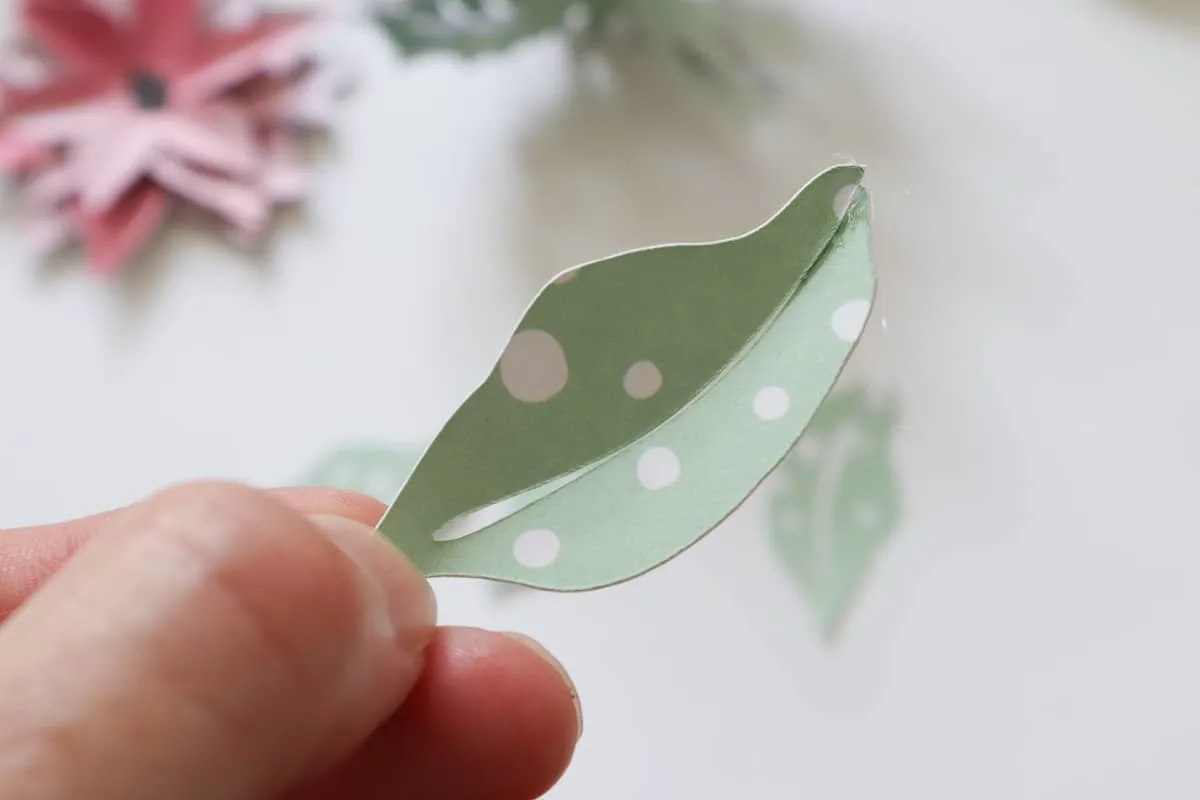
x,y
1173,12
140,283
631,155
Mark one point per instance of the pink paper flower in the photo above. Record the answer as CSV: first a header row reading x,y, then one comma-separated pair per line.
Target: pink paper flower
x,y
149,102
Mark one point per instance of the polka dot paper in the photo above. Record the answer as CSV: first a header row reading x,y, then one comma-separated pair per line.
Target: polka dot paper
x,y
640,401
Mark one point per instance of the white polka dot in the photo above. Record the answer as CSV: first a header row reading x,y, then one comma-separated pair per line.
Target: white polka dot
x,y
658,468
569,275
841,200
849,319
771,403
643,380
536,548
533,367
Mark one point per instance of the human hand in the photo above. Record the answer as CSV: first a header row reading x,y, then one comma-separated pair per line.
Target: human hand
x,y
221,642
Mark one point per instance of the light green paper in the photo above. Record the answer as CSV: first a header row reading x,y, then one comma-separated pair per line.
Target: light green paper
x,y
423,26
747,336
375,470
698,34
837,501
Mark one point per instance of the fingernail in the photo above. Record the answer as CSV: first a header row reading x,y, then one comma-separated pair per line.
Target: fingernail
x,y
536,646
399,601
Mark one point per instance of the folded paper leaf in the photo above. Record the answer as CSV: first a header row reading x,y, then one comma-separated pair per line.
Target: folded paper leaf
x,y
643,398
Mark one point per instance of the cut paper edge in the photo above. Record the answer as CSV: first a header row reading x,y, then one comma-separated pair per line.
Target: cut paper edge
x,y
859,206
570,273
627,448
481,519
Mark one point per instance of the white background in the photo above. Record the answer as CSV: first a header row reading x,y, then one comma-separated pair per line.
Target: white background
x,y
1030,631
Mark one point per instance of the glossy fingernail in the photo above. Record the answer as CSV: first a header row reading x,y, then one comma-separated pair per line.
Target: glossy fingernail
x,y
537,647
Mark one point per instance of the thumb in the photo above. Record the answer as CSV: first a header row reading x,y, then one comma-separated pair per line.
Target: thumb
x,y
209,642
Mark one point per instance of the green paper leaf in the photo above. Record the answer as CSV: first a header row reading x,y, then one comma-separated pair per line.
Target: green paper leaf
x,y
837,501
643,398
375,470
468,27
696,34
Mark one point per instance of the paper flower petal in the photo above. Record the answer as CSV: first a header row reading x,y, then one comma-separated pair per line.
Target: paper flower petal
x,y
17,154
302,98
165,31
49,231
155,90
229,59
114,235
312,102
241,204
63,92
23,69
216,138
231,15
117,158
284,179
80,36
52,186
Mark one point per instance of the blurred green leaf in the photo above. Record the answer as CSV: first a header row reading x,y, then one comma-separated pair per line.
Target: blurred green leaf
x,y
375,470
837,501
469,27
697,34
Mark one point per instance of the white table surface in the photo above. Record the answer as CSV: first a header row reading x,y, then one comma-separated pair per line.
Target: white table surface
x,y
1030,632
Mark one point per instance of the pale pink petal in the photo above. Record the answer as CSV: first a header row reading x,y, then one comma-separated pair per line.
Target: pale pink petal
x,y
165,32
52,186
53,95
232,15
284,179
80,36
230,58
115,159
239,203
243,237
216,138
115,235
265,96
92,163
75,123
17,153
46,233
312,103
24,70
